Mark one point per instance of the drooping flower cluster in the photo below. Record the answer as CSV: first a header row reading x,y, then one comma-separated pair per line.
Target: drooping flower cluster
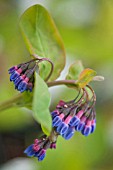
x,y
69,117
38,149
73,116
22,76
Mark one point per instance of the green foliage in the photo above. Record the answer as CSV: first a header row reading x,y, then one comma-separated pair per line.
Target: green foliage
x,y
42,38
25,100
75,70
85,77
41,102
80,75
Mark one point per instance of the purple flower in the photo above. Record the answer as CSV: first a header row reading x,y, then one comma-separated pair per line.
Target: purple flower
x,y
69,117
57,120
63,127
69,133
29,151
54,113
76,119
38,149
15,74
53,145
93,125
12,69
75,116
81,124
22,76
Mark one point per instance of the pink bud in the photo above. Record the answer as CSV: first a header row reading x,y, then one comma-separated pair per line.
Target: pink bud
x,y
67,120
26,79
36,141
61,103
80,113
19,70
83,119
61,115
88,123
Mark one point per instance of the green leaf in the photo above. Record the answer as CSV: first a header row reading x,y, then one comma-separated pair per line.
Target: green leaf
x,y
85,77
42,38
25,100
74,71
41,102
45,130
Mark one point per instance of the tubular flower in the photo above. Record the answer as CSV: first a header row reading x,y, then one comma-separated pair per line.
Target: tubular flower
x,y
22,76
76,115
38,149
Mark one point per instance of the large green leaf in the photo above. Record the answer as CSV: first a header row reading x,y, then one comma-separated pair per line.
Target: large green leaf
x,y
42,38
41,102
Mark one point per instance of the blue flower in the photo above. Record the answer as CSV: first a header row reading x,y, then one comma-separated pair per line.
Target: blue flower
x,y
86,130
29,151
22,86
70,117
74,121
22,76
41,154
38,149
14,76
62,128
12,69
80,126
41,157
57,120
93,125
69,133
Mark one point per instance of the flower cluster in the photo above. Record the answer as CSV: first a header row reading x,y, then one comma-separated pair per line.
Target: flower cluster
x,y
38,149
76,115
22,76
73,116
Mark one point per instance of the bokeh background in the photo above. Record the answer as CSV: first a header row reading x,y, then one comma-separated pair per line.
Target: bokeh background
x,y
86,27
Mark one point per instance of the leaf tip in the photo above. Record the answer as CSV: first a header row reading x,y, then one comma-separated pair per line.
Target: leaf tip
x,y
98,78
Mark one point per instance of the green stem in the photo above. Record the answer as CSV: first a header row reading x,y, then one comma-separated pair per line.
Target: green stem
x,y
15,100
41,59
62,82
10,103
53,135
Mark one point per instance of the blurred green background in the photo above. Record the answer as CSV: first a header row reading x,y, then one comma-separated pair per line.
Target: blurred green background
x,y
86,27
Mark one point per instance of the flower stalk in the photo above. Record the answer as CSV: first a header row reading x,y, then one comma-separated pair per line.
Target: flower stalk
x,y
63,82
44,59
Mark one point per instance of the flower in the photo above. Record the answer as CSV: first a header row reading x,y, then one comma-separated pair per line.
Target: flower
x,y
38,149
68,117
76,115
22,76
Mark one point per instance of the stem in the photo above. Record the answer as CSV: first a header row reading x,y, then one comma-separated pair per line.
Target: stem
x,y
45,59
94,96
52,67
62,82
10,103
53,136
